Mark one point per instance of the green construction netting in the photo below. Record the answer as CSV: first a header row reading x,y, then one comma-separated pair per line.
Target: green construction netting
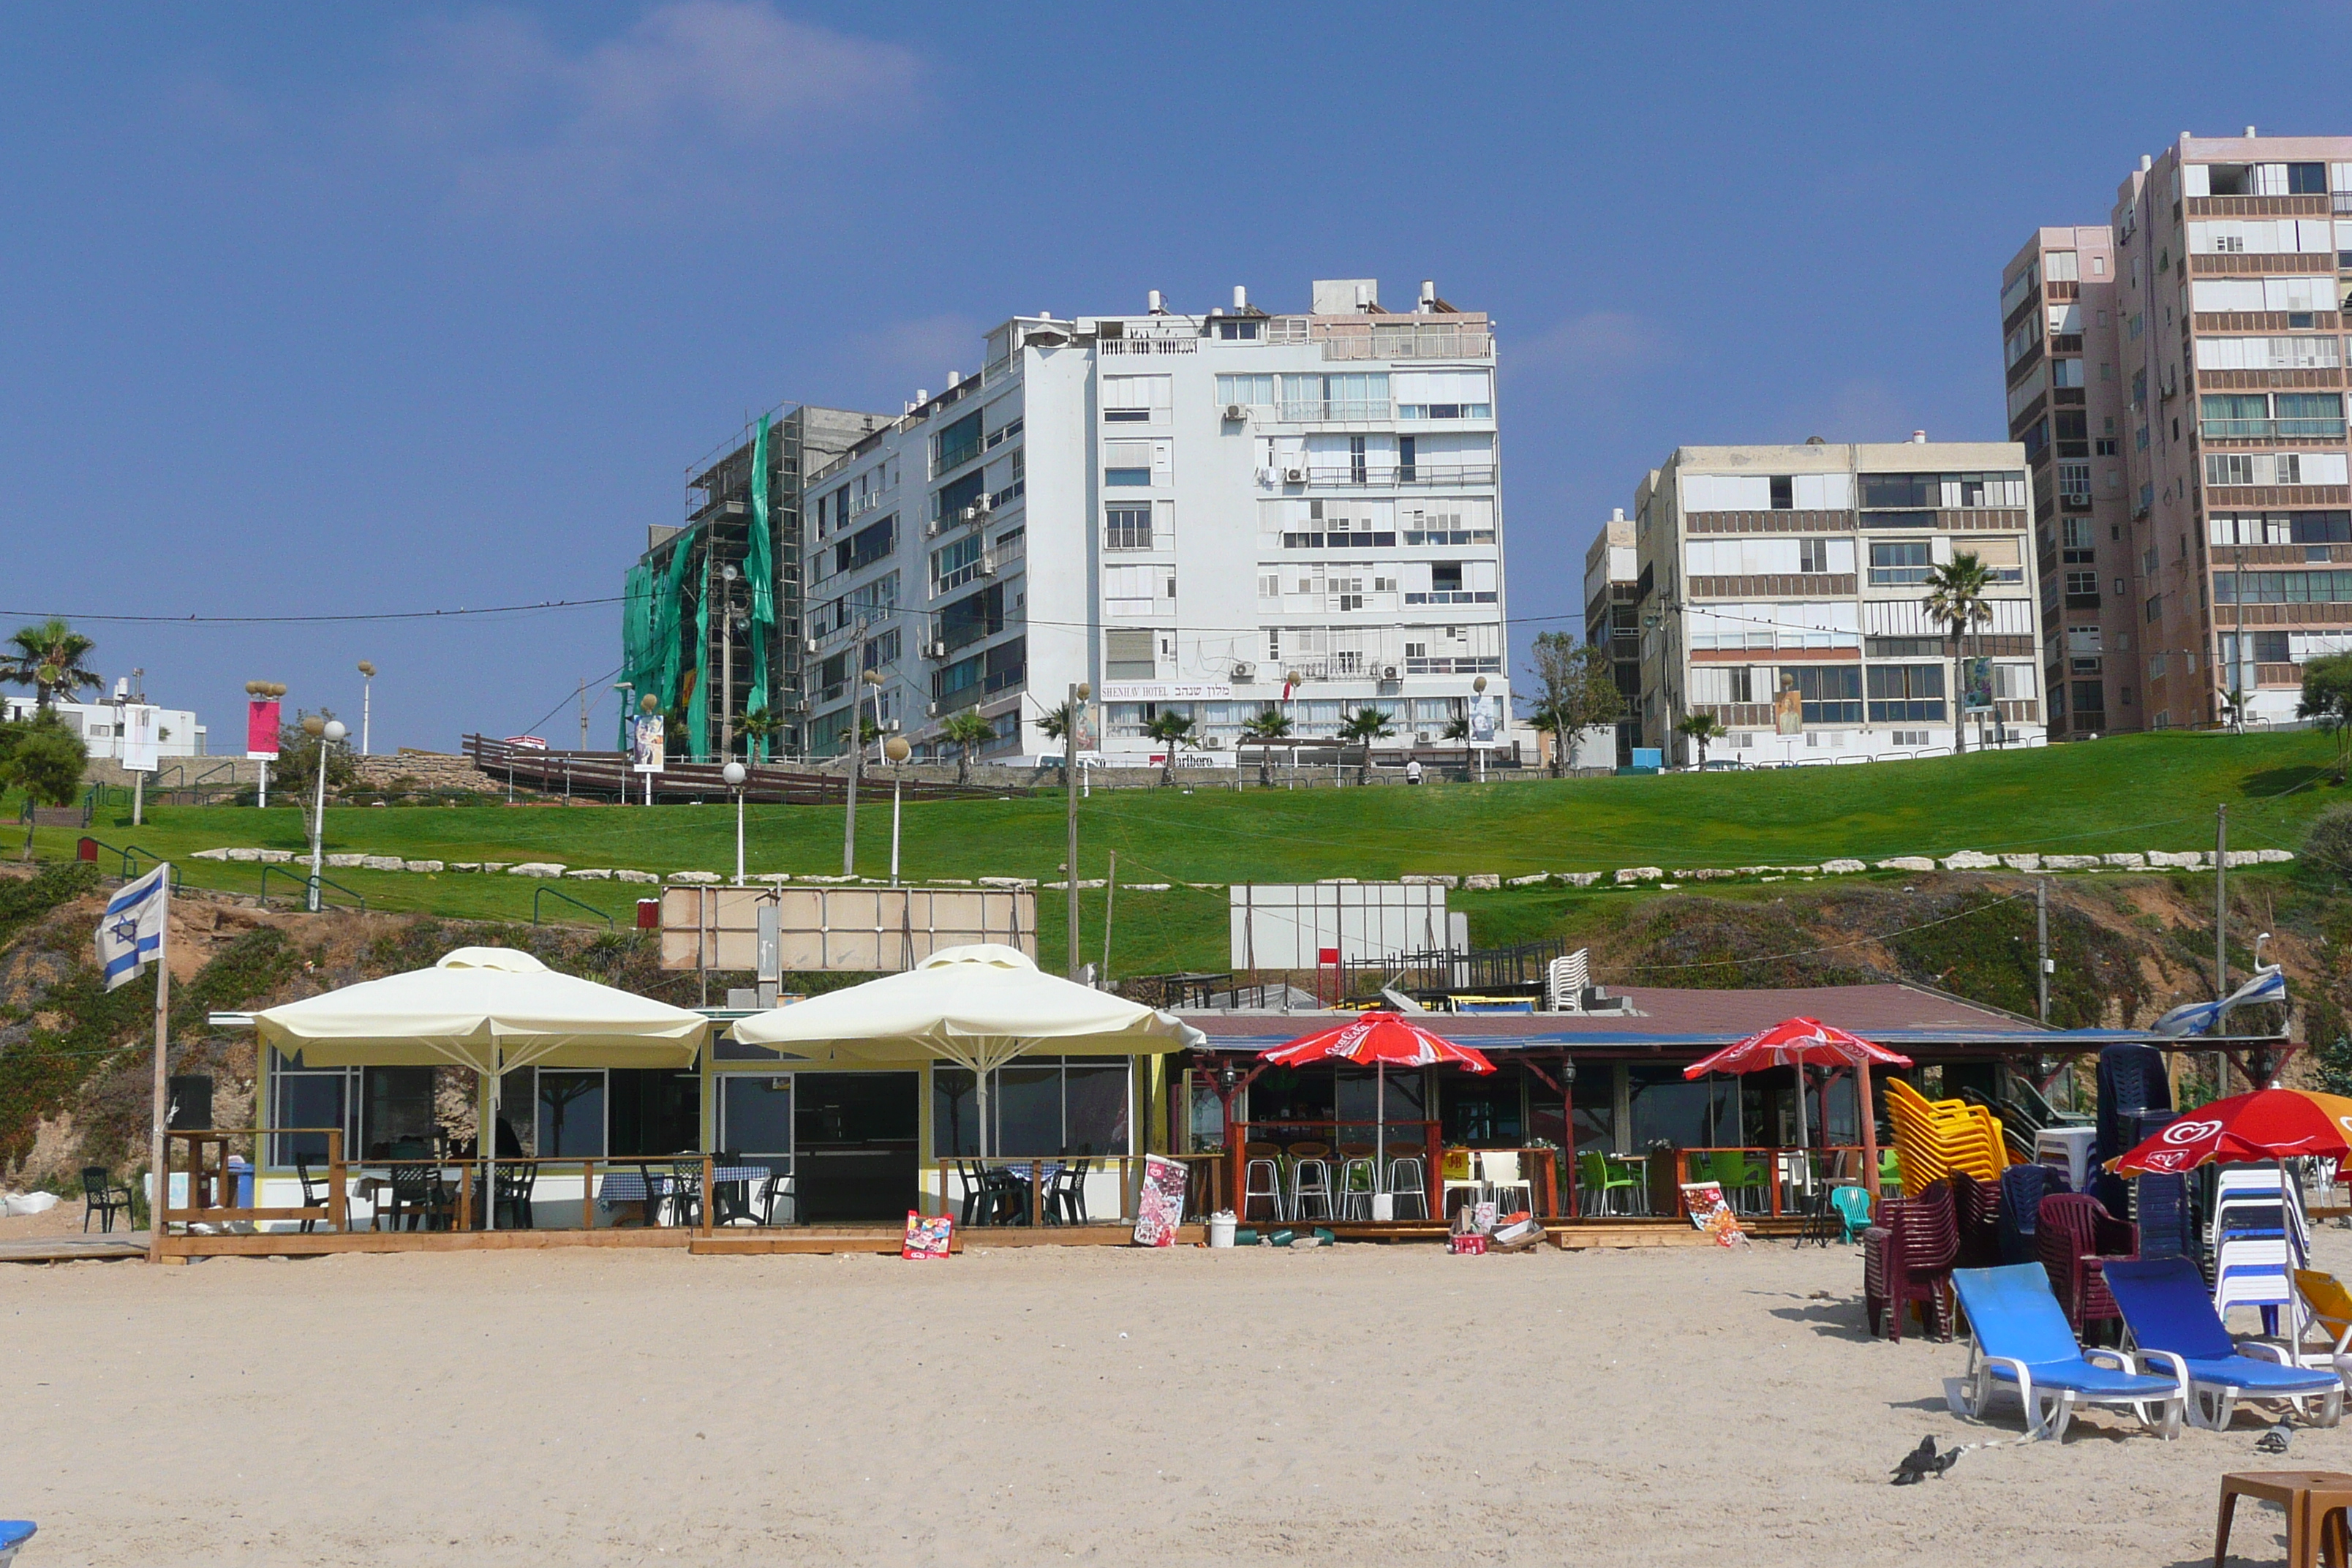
x,y
640,657
672,583
759,566
698,703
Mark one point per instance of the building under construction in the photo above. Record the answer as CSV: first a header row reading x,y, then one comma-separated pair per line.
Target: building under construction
x,y
711,621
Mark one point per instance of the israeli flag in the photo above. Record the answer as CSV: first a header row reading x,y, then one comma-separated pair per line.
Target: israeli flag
x,y
131,932
2268,985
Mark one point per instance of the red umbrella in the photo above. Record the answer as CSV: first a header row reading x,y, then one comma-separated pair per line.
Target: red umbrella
x,y
2268,1125
1379,1039
1808,1042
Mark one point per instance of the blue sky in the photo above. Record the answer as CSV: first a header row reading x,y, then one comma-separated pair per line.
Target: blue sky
x,y
358,308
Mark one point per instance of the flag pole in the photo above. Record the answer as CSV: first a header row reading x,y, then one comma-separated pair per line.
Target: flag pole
x,y
161,1196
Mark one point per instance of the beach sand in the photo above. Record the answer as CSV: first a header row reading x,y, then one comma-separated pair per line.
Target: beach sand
x,y
1358,1406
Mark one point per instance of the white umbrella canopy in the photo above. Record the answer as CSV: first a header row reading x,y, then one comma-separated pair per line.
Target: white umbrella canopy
x,y
978,1006
488,1008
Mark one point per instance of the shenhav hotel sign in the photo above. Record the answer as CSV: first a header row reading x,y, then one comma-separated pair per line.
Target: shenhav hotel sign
x,y
1167,692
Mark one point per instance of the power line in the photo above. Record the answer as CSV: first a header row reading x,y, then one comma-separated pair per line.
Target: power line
x,y
309,620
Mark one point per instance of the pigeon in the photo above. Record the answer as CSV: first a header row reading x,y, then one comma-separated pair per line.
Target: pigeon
x,y
1920,1463
2274,1441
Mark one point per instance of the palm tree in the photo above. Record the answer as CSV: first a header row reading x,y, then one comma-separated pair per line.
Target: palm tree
x,y
1702,728
966,729
48,658
1364,726
757,728
1267,726
1055,723
1458,727
1173,731
1955,599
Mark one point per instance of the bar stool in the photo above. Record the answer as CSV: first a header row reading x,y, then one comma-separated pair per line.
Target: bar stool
x,y
1263,1158
1311,1177
1355,1159
1408,1183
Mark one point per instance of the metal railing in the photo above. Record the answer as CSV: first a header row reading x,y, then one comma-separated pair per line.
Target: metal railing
x,y
543,892
1376,477
2272,429
303,880
1418,342
1349,410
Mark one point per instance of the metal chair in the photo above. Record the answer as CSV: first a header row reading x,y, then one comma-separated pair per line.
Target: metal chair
x,y
510,1194
1310,1179
101,1196
1359,1178
1402,1189
1264,1159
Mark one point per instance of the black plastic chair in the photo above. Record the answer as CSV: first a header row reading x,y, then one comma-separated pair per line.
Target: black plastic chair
x,y
779,1188
100,1195
512,1194
686,1191
314,1191
418,1193
1069,1193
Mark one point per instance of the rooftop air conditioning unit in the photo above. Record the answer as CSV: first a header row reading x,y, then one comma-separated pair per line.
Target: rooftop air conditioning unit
x,y
1245,671
1294,476
1388,672
1237,410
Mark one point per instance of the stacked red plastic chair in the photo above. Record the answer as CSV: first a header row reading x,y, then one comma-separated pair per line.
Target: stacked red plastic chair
x,y
2078,1238
1908,1257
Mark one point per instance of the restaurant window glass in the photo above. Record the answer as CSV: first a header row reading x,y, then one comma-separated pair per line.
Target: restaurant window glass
x,y
1358,1101
301,1097
1045,1105
1594,1097
1484,1112
1689,1114
571,1115
1208,1121
398,1103
755,1118
652,1110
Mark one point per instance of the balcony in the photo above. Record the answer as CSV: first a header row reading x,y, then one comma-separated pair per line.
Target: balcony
x,y
1419,476
2272,429
1331,412
1406,343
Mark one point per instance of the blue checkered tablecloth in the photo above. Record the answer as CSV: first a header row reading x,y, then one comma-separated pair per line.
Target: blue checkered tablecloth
x,y
628,1186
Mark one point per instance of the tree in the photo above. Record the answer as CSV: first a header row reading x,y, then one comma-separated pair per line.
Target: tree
x,y
1458,727
1173,731
1955,599
2327,843
759,729
40,756
1701,727
1576,686
48,658
2326,700
1364,726
1261,729
1055,724
966,729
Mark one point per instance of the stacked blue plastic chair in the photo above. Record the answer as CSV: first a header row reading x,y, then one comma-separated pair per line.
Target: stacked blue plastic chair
x,y
2132,1084
2022,1188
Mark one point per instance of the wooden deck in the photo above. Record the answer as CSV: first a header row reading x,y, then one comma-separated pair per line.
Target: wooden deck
x,y
74,1248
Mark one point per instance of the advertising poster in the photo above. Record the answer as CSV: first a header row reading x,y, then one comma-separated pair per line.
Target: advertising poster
x,y
1159,1206
139,737
1482,719
1787,707
645,744
261,729
927,1236
1979,697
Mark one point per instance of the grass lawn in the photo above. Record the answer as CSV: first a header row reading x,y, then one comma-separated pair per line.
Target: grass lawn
x,y
2127,793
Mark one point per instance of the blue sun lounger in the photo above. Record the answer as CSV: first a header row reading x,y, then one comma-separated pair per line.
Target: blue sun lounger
x,y
14,1532
2178,1334
2018,1338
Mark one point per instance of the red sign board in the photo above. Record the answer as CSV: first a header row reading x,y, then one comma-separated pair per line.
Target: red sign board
x,y
261,729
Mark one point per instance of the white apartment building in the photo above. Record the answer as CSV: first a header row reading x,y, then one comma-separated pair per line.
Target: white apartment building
x,y
1213,514
1780,588
100,725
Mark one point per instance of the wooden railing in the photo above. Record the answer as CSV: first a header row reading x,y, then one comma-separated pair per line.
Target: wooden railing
x,y
212,1185
955,1183
1825,1168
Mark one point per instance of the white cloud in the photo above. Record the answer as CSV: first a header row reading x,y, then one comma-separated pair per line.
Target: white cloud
x,y
1593,342
691,103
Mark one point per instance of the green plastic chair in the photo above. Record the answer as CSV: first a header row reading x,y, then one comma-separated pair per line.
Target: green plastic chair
x,y
1602,1175
1734,1171
1852,1206
1890,1171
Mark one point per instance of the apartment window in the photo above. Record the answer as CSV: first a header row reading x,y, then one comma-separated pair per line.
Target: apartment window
x,y
1813,555
2283,587
1783,492
958,444
956,563
2309,414
1129,654
1127,528
2106,445
2076,540
1136,399
1905,692
2155,609
2081,586
1894,563
1248,391
1356,467
2090,697
1133,464
1829,693
866,546
2306,179
1234,332
1407,460
1721,685
2075,482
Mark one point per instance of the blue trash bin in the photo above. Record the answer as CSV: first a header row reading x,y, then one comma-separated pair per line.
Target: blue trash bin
x,y
241,1173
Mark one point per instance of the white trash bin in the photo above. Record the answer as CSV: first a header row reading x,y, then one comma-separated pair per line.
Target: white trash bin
x,y
1220,1228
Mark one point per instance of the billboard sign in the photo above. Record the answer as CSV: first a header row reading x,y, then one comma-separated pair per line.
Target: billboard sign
x,y
1484,716
791,930
261,730
645,744
1978,697
1318,924
139,734
1787,707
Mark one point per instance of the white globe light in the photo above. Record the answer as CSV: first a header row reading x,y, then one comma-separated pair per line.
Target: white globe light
x,y
732,772
335,731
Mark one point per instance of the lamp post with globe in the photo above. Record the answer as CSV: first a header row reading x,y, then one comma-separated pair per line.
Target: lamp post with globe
x,y
367,701
896,751
327,732
734,774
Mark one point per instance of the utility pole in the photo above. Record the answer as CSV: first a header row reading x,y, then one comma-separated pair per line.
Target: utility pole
x,y
583,728
2222,936
2042,951
1110,892
857,763
1079,692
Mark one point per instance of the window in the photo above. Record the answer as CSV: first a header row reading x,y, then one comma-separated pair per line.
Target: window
x,y
1829,693
2283,587
956,444
948,502
1129,654
2082,590
2275,469
1235,331
1136,399
2075,482
2313,414
956,563
1783,492
1040,1105
755,1116
1355,461
1814,555
1135,464
570,1114
2155,609
2306,179
1127,528
2066,373
1899,562
1248,391
867,545
1722,684
2075,541
1407,460
1443,395
1900,693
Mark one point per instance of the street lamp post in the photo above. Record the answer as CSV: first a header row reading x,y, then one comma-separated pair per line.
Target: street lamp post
x,y
327,732
896,751
367,699
734,774
1478,687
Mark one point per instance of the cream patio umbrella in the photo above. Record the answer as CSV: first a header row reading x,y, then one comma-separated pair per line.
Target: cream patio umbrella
x,y
978,1006
491,1009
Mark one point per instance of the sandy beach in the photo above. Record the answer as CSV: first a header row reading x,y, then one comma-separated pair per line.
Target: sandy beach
x,y
1363,1404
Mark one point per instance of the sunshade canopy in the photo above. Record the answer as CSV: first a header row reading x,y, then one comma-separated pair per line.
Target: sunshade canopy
x,y
1792,1041
488,1008
2268,1125
1380,1038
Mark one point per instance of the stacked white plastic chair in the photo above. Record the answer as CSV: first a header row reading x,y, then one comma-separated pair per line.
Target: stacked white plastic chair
x,y
2258,1236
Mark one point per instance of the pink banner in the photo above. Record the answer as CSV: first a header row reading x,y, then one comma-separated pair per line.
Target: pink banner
x,y
261,728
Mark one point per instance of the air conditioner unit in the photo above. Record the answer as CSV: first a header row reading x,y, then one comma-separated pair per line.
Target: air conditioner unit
x,y
931,528
1294,476
1388,672
1237,410
1245,671
937,650
969,514
810,645
983,506
930,709
988,565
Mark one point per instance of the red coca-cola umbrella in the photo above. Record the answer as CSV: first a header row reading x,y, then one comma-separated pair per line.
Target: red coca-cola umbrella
x,y
2268,1125
1380,1040
1801,1043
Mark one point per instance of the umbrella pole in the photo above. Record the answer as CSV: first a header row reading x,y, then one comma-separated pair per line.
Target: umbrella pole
x,y
1804,1138
1869,1127
1380,1123
487,1145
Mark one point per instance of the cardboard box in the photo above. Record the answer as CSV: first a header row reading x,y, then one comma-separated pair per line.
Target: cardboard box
x,y
1470,1245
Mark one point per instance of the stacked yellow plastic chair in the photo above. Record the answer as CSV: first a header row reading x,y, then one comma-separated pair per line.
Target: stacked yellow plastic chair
x,y
1934,1138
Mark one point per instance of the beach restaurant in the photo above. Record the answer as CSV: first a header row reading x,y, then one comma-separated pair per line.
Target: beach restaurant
x,y
730,1135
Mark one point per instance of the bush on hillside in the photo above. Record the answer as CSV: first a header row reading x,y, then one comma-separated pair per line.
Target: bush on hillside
x,y
2328,845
